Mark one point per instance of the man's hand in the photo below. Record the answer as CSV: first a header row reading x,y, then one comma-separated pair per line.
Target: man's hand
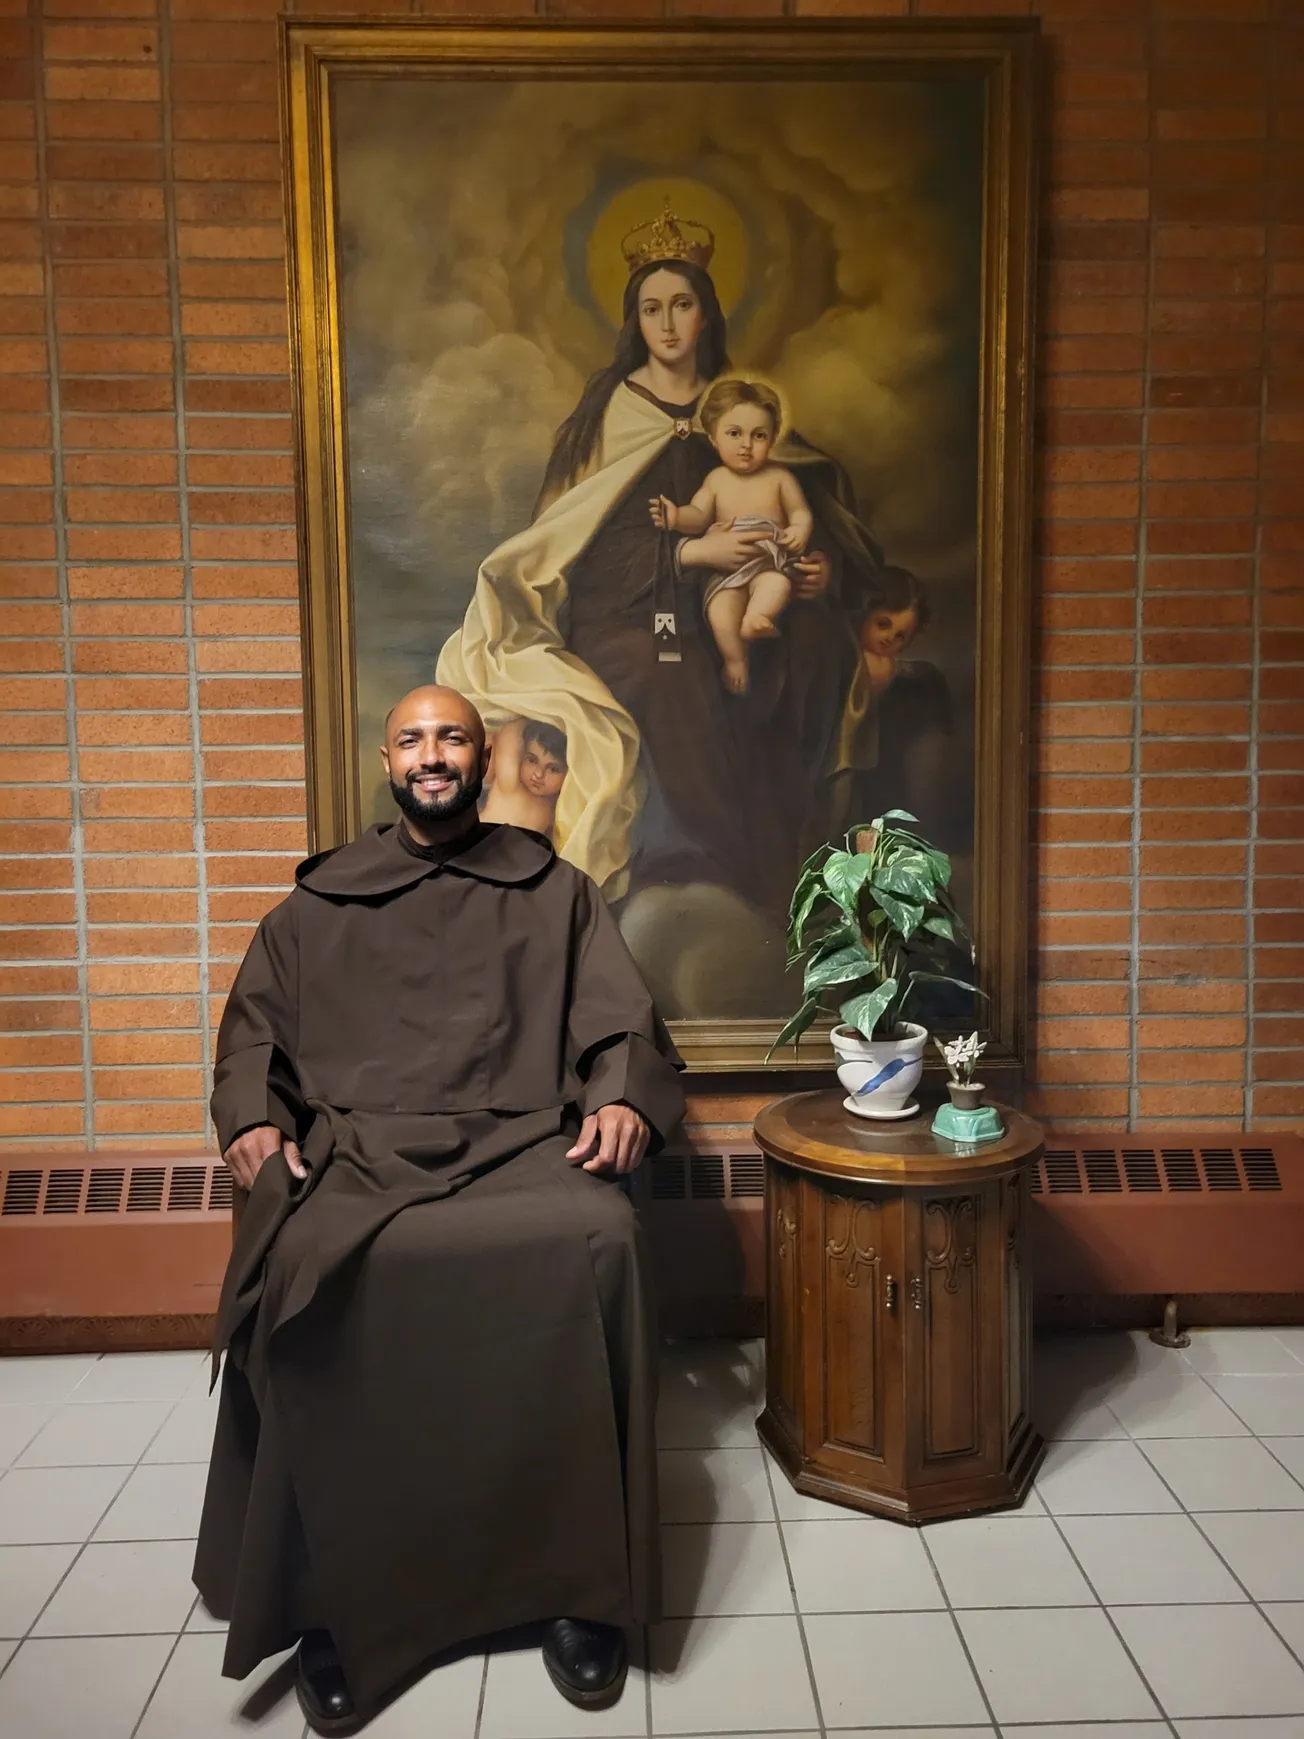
x,y
814,571
249,1152
612,1139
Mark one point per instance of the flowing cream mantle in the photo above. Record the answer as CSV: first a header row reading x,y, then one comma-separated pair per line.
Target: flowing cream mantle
x,y
509,658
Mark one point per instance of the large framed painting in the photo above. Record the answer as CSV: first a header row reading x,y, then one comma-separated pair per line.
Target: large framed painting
x,y
665,390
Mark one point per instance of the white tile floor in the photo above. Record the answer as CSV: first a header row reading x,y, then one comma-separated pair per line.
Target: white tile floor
x,y
1151,1588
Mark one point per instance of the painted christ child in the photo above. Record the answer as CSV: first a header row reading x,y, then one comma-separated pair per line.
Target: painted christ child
x,y
749,492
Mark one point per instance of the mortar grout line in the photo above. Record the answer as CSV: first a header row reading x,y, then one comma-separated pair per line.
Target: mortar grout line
x,y
1256,605
187,560
77,842
1138,611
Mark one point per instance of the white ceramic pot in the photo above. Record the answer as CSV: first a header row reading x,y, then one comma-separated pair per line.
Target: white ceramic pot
x,y
880,1075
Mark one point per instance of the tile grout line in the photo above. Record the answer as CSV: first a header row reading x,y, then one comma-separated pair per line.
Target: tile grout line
x,y
129,1469
1253,1435
167,1662
195,1602
1193,1518
1267,1443
479,1707
796,1604
1297,1653
960,1637
76,1559
1163,1714
77,840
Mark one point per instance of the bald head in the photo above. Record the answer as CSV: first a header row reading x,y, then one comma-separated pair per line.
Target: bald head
x,y
434,754
433,703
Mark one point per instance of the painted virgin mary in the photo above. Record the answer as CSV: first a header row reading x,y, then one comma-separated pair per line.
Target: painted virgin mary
x,y
590,620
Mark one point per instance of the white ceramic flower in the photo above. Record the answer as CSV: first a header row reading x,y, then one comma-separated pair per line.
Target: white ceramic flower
x,y
961,1056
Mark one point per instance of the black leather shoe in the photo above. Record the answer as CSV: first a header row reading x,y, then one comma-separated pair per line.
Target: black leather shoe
x,y
587,1662
319,1685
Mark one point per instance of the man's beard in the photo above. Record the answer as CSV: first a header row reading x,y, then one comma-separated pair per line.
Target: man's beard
x,y
424,809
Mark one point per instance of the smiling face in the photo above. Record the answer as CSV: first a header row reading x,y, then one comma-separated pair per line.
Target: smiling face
x,y
669,317
743,438
887,633
434,755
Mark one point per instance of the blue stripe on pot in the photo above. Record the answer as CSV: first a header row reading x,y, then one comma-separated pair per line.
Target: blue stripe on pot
x,y
884,1074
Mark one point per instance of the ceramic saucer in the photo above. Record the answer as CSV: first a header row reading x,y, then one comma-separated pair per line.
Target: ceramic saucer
x,y
910,1110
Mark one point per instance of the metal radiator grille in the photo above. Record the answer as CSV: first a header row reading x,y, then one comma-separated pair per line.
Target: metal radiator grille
x,y
1154,1170
183,1188
705,1176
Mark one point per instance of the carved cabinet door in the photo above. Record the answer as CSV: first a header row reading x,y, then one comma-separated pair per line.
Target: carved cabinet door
x,y
852,1267
955,1333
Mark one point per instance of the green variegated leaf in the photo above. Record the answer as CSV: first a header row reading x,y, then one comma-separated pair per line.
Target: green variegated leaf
x,y
904,917
815,860
939,978
940,925
844,876
908,873
941,864
801,914
841,935
795,1027
896,815
864,1012
807,880
843,966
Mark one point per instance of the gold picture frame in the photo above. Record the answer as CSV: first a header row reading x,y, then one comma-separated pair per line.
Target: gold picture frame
x,y
317,60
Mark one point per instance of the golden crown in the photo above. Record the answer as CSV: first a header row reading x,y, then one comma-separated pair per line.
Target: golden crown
x,y
668,238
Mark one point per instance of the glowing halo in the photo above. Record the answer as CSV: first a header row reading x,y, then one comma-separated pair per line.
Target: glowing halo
x,y
639,203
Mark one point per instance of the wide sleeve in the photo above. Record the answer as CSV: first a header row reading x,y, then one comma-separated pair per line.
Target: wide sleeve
x,y
619,1048
254,1079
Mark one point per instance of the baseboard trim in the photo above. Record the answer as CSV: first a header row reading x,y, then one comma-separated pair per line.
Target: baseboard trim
x,y
105,1334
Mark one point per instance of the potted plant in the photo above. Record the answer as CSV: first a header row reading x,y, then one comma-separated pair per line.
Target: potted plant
x,y
966,1120
873,920
961,1059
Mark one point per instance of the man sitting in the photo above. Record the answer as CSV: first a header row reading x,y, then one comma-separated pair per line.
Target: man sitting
x,y
437,1407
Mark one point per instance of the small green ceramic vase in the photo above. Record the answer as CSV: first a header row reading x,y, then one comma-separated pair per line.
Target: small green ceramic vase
x,y
966,1120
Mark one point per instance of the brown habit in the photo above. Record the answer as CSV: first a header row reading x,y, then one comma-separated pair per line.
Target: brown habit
x,y
436,1417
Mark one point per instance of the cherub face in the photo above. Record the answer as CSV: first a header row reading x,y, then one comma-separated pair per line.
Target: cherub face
x,y
669,316
743,438
541,773
887,633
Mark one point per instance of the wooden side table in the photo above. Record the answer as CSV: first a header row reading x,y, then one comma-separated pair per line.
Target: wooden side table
x,y
898,1311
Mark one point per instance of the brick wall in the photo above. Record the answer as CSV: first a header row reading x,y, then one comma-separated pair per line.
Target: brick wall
x,y
151,803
